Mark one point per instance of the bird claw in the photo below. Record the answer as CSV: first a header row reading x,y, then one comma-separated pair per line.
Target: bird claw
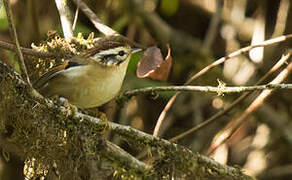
x,y
70,108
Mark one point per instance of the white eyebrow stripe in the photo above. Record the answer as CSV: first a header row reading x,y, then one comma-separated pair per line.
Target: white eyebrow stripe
x,y
109,51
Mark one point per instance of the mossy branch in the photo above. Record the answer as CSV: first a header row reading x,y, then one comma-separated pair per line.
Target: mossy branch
x,y
53,134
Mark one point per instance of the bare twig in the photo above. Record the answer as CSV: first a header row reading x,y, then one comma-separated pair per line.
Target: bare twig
x,y
226,133
233,104
94,19
14,36
75,18
220,90
27,51
66,18
239,52
214,64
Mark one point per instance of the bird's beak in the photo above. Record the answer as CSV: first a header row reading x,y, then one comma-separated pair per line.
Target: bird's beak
x,y
134,50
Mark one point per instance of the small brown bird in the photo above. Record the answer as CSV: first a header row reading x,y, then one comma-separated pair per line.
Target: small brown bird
x,y
90,80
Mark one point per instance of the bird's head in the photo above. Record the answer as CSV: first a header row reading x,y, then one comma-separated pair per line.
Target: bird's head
x,y
112,52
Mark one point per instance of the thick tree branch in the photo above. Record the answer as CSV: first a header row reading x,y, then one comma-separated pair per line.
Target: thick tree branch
x,y
54,134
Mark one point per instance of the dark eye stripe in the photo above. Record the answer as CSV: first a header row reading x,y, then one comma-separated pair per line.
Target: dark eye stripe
x,y
121,53
108,57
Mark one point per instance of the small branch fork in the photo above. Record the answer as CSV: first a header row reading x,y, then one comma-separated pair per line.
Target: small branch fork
x,y
214,64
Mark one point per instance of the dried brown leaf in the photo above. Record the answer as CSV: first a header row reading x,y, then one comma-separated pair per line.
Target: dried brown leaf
x,y
153,66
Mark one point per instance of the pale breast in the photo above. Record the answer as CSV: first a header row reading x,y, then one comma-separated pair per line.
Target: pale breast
x,y
92,87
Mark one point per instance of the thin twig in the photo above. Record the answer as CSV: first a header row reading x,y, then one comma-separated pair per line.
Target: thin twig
x,y
239,52
220,89
94,19
227,132
214,64
283,60
14,36
27,51
75,17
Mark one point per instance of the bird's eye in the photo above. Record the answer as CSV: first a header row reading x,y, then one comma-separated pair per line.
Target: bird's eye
x,y
121,53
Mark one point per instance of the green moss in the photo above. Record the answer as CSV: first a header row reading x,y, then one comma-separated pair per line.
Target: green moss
x,y
41,139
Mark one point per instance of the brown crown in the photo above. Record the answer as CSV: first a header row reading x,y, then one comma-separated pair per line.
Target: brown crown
x,y
108,43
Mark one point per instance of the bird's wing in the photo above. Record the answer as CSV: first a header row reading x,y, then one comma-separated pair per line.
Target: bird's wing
x,y
73,62
49,75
